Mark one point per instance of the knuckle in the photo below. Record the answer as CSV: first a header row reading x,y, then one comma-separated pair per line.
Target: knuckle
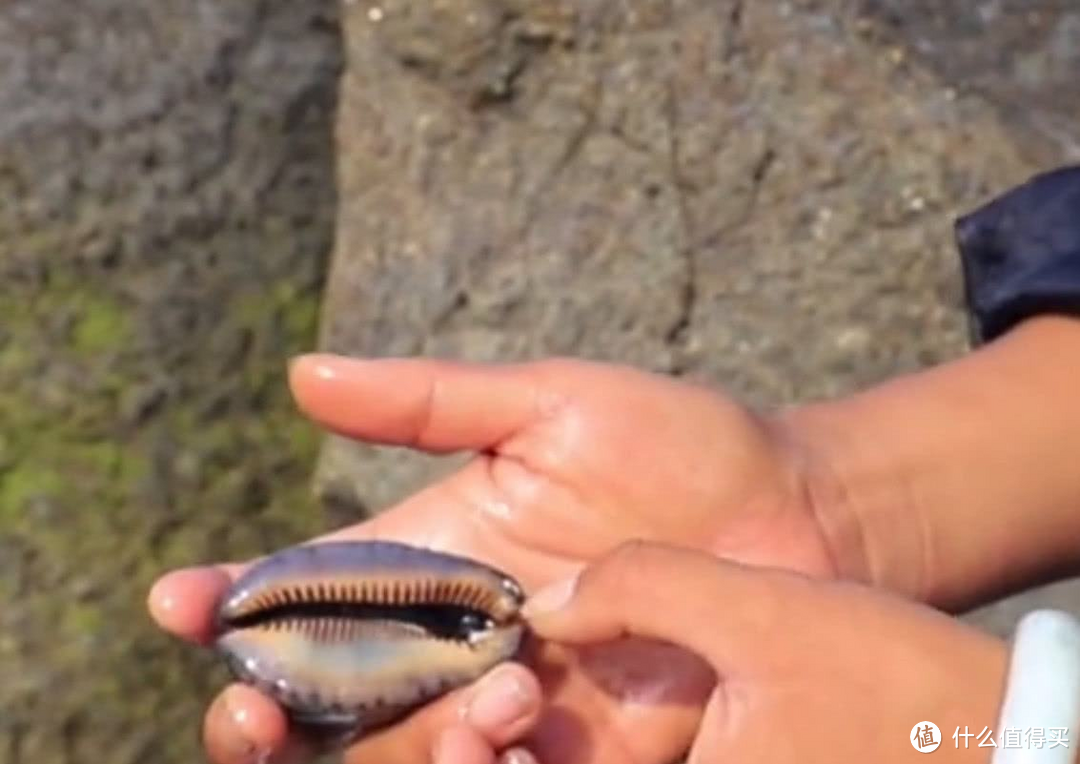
x,y
631,551
427,413
628,566
641,568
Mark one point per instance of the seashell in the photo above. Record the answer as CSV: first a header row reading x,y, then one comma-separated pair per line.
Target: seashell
x,y
357,634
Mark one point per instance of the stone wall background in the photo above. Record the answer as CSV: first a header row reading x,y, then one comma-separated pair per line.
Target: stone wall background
x,y
166,207
758,194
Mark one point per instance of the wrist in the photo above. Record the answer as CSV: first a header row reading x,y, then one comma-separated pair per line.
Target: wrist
x,y
955,484
857,497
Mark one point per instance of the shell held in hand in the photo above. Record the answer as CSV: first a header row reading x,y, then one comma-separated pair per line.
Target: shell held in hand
x,y
357,634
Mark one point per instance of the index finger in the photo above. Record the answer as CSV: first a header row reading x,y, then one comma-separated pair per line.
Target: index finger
x,y
723,611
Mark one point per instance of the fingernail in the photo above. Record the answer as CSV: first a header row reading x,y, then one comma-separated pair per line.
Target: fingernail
x,y
549,599
499,702
322,365
323,369
517,756
160,599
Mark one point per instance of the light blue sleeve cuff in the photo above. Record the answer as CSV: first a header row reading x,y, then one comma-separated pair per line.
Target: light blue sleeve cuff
x,y
1042,696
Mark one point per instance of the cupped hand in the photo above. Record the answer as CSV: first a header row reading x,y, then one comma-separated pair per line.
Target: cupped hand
x,y
807,671
571,460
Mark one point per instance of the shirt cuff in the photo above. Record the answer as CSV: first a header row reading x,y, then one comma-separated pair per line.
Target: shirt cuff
x,y
1021,254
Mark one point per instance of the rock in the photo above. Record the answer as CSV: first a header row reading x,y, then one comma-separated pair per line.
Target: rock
x,y
757,194
722,190
1020,56
166,197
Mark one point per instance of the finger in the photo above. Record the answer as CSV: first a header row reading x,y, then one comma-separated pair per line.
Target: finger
x,y
501,708
517,755
719,610
462,745
436,406
504,705
242,726
182,602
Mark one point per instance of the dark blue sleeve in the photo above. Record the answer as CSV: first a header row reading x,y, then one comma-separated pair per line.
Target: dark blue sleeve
x,y
1021,254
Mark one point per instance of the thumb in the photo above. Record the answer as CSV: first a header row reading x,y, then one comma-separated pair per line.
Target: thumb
x,y
723,611
435,406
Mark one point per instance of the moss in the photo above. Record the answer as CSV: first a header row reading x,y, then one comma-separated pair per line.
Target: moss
x,y
82,619
23,482
196,482
147,311
104,458
15,358
103,325
301,317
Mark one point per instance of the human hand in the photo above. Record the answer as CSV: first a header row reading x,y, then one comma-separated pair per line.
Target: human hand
x,y
572,459
806,671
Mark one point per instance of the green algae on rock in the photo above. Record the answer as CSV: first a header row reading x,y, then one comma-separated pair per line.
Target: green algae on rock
x,y
164,225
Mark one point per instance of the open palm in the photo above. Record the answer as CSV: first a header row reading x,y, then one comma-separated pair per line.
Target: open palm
x,y
572,459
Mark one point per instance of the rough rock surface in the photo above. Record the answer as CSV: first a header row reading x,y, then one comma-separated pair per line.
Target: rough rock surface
x,y
166,205
1020,56
755,193
759,194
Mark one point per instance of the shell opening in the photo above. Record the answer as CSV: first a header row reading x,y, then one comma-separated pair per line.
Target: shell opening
x,y
438,621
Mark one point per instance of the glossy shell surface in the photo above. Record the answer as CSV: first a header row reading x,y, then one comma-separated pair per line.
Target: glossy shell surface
x,y
360,633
